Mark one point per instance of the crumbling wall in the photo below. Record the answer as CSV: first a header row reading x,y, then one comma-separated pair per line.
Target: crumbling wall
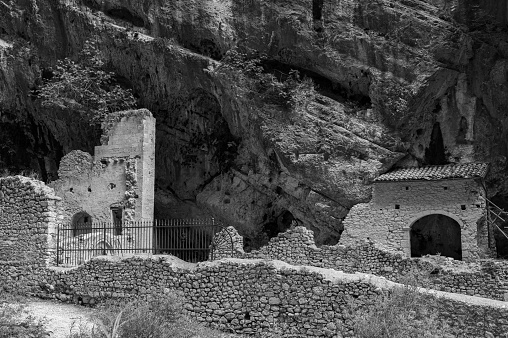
x,y
395,206
486,278
29,215
120,174
250,296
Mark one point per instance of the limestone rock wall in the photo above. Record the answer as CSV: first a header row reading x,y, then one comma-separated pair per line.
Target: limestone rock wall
x,y
29,215
394,78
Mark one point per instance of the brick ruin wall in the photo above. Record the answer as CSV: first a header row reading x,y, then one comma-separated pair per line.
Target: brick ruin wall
x,y
28,220
395,206
484,278
250,296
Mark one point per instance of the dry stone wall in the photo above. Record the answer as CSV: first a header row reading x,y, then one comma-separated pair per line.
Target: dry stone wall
x,y
250,296
28,218
484,278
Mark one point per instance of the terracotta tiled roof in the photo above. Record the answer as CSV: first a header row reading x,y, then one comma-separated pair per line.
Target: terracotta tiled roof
x,y
436,172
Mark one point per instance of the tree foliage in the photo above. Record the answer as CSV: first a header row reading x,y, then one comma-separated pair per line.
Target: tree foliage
x,y
85,86
290,91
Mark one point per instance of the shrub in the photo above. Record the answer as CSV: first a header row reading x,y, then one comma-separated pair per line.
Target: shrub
x,y
156,317
289,91
402,312
85,86
16,321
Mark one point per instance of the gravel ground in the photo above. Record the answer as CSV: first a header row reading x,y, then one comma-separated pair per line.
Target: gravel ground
x,y
60,317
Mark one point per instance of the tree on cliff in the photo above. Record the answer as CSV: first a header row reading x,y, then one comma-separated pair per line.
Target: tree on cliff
x,y
85,86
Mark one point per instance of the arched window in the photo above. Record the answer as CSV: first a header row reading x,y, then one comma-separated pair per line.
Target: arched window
x,y
81,223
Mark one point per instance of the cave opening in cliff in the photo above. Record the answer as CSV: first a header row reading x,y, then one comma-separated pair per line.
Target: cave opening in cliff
x,y
194,146
435,152
317,9
205,47
436,234
317,15
30,149
323,85
278,225
125,15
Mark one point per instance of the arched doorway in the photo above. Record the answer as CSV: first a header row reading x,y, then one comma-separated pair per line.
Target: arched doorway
x,y
81,223
436,234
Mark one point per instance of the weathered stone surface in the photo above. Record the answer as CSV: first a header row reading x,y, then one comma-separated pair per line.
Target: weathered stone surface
x,y
394,74
239,288
485,278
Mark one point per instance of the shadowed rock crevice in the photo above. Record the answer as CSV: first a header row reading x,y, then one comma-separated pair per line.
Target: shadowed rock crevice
x,y
323,85
435,153
125,15
193,146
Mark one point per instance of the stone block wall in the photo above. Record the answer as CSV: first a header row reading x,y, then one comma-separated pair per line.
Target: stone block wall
x,y
29,212
485,278
395,206
250,296
120,174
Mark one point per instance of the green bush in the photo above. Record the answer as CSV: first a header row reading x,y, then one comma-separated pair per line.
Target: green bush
x,y
85,86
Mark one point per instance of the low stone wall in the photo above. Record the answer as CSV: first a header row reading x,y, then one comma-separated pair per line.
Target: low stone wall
x,y
250,296
484,278
28,221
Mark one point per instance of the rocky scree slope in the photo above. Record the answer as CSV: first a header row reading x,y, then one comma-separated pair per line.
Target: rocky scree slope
x,y
398,82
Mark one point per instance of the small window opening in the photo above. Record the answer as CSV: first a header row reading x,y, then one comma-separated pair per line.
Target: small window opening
x,y
89,189
445,188
407,188
71,189
397,206
116,215
463,207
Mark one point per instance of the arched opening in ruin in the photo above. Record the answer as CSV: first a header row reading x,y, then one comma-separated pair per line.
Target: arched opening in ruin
x,y
436,234
81,223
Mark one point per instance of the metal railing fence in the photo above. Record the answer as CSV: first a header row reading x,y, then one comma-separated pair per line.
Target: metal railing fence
x,y
192,240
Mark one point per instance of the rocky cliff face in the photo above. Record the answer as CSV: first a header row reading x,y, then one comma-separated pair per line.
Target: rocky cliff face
x,y
399,82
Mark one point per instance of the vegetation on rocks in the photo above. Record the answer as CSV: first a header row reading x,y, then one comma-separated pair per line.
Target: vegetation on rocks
x,y
401,313
289,91
16,321
158,316
85,86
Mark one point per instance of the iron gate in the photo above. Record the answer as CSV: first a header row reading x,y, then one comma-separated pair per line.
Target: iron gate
x,y
192,240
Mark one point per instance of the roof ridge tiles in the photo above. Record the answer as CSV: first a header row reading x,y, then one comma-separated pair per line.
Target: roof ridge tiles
x,y
436,172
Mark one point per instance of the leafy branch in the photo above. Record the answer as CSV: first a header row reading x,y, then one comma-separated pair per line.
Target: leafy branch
x,y
85,86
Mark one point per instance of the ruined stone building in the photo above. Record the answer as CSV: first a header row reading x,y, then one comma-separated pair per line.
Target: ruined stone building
x,y
116,184
429,210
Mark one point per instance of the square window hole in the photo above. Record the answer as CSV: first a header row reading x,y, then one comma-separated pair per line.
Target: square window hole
x,y
463,207
407,188
445,188
397,206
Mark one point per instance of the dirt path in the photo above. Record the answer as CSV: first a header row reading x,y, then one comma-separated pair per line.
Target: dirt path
x,y
60,317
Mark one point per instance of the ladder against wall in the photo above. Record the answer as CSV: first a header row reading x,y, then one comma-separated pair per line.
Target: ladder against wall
x,y
497,218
